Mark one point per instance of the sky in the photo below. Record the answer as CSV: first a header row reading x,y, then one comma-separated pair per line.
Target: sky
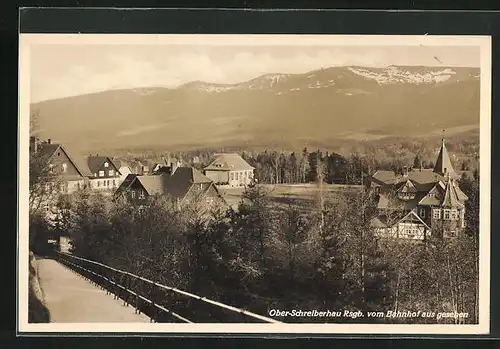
x,y
63,70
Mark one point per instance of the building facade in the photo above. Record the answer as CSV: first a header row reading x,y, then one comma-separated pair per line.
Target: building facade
x,y
104,173
231,170
419,203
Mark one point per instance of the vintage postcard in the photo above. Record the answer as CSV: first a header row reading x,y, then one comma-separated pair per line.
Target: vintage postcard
x,y
254,184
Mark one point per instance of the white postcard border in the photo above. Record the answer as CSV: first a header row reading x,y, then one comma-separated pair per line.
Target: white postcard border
x,y
25,42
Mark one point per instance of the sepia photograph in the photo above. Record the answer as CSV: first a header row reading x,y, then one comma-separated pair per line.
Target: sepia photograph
x,y
254,183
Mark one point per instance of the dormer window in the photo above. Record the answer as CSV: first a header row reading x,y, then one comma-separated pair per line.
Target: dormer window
x,y
101,173
106,164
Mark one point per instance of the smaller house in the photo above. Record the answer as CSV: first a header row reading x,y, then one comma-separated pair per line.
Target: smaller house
x,y
230,169
409,227
104,173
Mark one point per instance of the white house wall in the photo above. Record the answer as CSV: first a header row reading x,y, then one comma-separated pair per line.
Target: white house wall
x,y
404,230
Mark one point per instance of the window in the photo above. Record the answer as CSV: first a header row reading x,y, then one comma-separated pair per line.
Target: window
x,y
95,174
422,212
98,183
106,164
114,183
231,176
453,214
463,218
132,194
141,194
436,214
58,154
410,232
111,172
446,214
101,173
78,186
64,167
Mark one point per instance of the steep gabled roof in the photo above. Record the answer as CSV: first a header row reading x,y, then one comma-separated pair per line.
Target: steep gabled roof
x,y
413,217
48,150
127,182
433,200
95,162
443,163
451,197
229,162
152,184
407,187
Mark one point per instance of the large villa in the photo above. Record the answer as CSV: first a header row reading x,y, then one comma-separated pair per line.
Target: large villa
x,y
420,202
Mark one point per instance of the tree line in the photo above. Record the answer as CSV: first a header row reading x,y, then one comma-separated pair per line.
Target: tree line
x,y
264,255
273,167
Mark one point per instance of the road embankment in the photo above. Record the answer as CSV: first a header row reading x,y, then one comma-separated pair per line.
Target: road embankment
x,y
37,311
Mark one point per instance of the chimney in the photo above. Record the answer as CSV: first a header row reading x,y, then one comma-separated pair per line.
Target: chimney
x,y
49,141
172,168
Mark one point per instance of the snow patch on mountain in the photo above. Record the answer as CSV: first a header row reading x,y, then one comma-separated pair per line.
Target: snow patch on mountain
x,y
394,75
265,81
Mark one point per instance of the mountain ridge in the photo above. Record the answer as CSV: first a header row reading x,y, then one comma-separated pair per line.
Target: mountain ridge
x,y
319,104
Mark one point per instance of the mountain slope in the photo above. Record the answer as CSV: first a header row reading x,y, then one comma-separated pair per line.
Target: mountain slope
x,y
274,109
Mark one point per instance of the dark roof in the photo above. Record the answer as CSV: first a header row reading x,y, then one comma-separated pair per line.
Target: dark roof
x,y
47,150
229,162
94,162
176,185
125,184
179,183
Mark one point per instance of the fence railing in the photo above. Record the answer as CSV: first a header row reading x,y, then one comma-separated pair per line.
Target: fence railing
x,y
159,302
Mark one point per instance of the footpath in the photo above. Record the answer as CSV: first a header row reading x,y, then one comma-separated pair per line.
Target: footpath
x,y
72,299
